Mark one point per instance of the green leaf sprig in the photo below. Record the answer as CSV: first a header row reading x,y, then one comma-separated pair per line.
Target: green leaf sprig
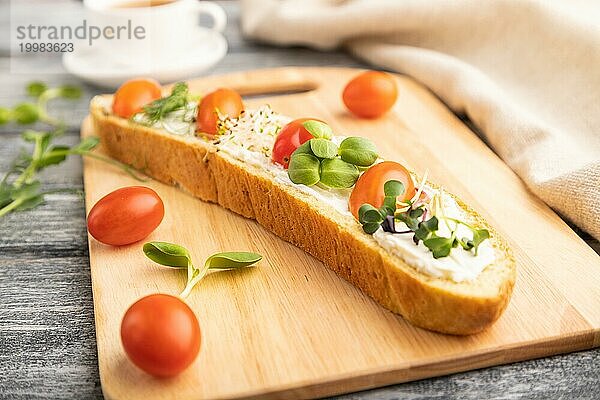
x,y
414,217
177,100
320,160
372,218
30,112
443,245
20,188
176,256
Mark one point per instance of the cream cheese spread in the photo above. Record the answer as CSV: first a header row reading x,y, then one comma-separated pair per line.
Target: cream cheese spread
x,y
250,139
459,265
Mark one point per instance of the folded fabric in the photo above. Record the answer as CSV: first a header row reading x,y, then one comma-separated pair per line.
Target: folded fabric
x,y
526,72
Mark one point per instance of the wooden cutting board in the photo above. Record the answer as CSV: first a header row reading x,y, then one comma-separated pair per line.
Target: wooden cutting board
x,y
290,327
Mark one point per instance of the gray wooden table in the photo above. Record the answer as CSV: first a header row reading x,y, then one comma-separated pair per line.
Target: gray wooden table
x,y
47,338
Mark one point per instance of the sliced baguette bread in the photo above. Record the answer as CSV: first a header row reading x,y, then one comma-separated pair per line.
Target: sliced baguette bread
x,y
197,167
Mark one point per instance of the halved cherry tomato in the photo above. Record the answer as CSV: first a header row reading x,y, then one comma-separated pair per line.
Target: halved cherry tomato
x,y
370,94
289,139
133,95
161,335
369,187
126,215
222,101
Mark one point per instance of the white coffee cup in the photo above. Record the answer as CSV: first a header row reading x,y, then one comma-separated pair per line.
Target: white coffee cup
x,y
136,32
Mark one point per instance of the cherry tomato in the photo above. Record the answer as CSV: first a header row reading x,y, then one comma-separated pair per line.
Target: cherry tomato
x,y
289,139
126,215
133,95
370,94
161,335
369,187
226,101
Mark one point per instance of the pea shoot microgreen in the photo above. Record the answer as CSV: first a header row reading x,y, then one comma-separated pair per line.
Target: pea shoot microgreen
x,y
175,256
321,161
414,216
20,188
30,112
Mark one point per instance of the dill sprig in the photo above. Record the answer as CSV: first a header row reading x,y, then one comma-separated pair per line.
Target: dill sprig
x,y
177,100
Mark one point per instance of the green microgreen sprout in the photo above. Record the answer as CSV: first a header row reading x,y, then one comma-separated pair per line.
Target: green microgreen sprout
x,y
358,151
323,148
318,129
29,112
372,218
304,169
338,174
321,161
176,256
20,188
414,216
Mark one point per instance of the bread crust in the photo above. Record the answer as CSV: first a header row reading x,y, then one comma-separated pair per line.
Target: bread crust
x,y
198,168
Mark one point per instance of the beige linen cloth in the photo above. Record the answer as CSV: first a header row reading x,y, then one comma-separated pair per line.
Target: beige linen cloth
x,y
526,72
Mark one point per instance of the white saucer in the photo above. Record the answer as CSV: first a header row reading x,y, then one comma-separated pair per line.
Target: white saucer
x,y
95,67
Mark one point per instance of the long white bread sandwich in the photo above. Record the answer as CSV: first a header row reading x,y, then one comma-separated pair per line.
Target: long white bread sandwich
x,y
411,246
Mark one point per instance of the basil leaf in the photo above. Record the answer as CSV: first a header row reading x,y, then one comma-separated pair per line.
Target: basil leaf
x,y
304,169
167,254
338,174
358,151
323,148
318,129
232,259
